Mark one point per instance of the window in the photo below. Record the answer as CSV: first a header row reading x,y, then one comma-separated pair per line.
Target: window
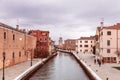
x,y
108,32
114,58
91,41
108,42
45,39
108,58
13,55
86,41
91,46
80,41
13,37
91,50
108,50
80,45
86,50
40,39
85,45
19,54
80,50
4,35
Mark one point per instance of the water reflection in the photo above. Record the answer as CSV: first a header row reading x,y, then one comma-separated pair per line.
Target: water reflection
x,y
62,67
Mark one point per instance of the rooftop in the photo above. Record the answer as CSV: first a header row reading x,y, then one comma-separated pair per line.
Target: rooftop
x,y
87,38
117,26
9,27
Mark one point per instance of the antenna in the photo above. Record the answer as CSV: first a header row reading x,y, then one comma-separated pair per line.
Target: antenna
x,y
102,22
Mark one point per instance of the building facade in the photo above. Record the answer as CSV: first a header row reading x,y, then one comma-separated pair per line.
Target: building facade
x,y
70,44
110,43
16,45
85,44
51,46
97,41
42,42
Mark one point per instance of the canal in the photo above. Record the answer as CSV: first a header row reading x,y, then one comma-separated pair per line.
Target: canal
x,y
62,67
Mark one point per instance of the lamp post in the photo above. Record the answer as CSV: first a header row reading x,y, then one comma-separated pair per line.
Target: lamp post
x,y
31,57
3,77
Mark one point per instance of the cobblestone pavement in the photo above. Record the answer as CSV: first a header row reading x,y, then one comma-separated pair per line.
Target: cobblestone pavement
x,y
14,71
105,70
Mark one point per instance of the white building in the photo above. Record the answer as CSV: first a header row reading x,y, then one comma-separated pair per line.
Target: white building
x,y
85,44
110,43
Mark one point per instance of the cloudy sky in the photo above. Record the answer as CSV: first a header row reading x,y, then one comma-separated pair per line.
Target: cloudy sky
x,y
66,18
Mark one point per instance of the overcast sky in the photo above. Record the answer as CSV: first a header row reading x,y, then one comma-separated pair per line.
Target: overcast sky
x,y
65,18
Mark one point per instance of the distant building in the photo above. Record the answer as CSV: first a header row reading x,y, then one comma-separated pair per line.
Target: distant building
x,y
85,44
109,42
70,44
60,42
17,45
51,46
42,42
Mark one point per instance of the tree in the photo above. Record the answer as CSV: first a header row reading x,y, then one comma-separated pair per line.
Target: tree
x,y
44,53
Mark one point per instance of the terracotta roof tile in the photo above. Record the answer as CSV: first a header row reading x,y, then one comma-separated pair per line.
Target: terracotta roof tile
x,y
87,38
117,26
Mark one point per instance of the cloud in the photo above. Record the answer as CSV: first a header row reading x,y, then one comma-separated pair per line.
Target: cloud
x,y
67,18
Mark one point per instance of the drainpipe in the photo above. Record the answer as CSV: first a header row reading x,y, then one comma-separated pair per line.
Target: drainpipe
x,y
117,44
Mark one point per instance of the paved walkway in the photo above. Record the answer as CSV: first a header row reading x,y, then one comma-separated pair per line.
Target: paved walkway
x,y
13,71
105,70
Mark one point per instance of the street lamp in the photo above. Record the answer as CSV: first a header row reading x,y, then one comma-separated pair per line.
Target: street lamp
x,y
3,77
31,57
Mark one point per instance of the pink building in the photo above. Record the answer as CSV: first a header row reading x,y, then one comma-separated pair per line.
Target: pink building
x,y
85,44
110,43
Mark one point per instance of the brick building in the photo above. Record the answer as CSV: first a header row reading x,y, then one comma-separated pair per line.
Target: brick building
x,y
70,44
16,45
42,44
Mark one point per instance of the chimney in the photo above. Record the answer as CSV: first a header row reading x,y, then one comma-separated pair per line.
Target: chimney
x,y
17,27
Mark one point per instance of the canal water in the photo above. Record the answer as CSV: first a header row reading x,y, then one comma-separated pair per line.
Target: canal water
x,y
62,67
